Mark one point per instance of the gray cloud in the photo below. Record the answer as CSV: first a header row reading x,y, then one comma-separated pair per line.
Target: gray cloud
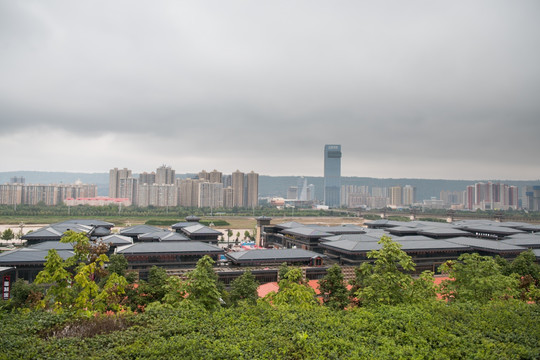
x,y
415,89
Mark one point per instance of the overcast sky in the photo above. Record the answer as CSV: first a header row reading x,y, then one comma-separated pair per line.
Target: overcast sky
x,y
418,89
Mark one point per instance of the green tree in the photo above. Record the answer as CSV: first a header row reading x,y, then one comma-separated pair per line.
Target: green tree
x,y
58,278
118,264
157,280
175,291
247,235
244,288
293,291
385,282
524,264
202,287
283,270
25,295
8,234
476,278
333,289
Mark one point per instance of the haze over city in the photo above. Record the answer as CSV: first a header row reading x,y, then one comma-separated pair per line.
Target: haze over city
x,y
409,89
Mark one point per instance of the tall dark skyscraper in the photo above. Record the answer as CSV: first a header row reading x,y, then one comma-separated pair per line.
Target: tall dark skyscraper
x,y
332,175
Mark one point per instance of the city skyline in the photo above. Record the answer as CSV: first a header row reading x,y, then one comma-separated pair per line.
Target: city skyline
x,y
411,90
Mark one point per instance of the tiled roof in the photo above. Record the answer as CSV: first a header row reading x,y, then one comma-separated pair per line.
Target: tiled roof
x,y
170,247
139,229
200,229
306,231
27,255
272,254
117,239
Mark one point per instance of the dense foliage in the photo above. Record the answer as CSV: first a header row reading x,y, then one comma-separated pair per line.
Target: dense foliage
x,y
496,330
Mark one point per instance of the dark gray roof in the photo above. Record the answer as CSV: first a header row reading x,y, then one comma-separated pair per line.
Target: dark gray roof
x,y
384,223
489,229
353,237
116,239
101,231
438,231
413,238
169,247
93,222
181,225
343,229
526,240
531,228
306,231
272,254
193,218
56,231
406,245
483,244
44,233
139,229
536,252
29,256
163,236
57,245
199,229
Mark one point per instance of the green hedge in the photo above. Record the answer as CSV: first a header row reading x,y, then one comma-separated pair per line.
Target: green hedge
x,y
508,330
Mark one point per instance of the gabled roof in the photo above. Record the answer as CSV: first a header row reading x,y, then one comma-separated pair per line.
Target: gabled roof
x,y
406,245
183,224
87,222
101,231
139,229
488,245
116,239
272,254
526,240
336,230
438,231
199,229
163,236
353,237
47,245
30,256
307,232
169,247
384,223
490,229
529,227
44,233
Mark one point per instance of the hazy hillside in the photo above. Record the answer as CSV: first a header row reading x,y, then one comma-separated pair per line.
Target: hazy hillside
x,y
268,185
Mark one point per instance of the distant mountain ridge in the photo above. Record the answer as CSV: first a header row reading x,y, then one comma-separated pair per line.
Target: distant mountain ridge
x,y
274,186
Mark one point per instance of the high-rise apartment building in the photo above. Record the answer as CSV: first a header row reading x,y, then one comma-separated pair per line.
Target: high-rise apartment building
x,y
238,188
215,176
53,194
409,195
147,178
396,196
165,175
252,200
189,192
210,195
115,175
228,197
332,175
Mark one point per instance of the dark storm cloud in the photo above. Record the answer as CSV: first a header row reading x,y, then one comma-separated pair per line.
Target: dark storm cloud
x,y
404,82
